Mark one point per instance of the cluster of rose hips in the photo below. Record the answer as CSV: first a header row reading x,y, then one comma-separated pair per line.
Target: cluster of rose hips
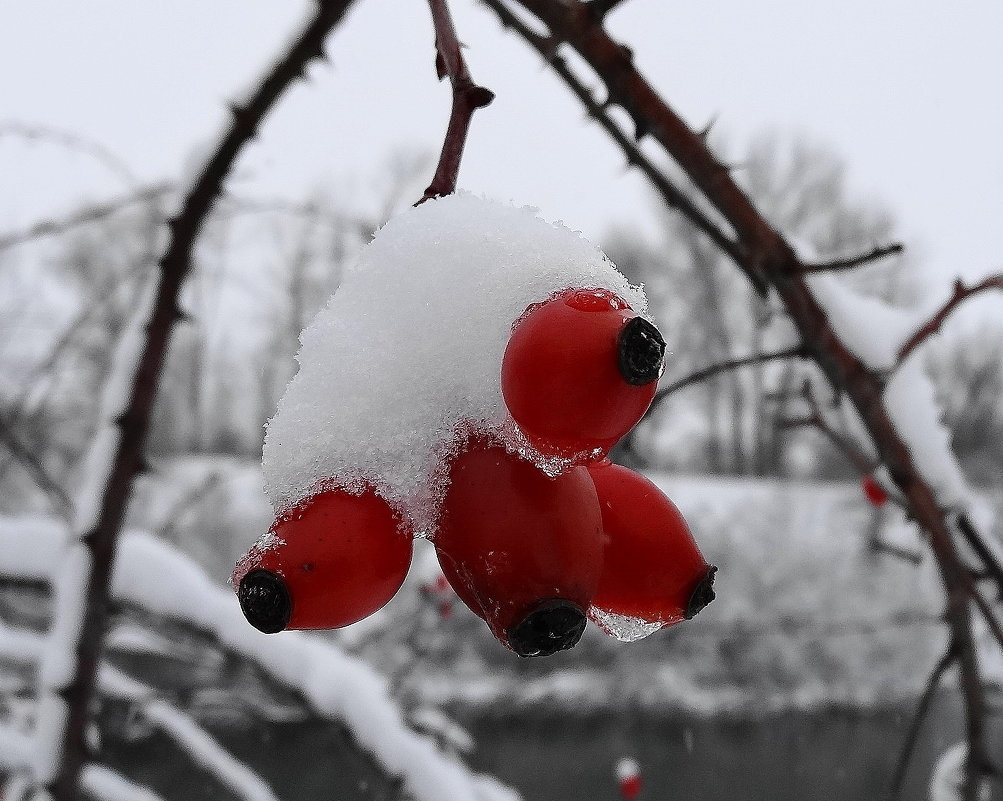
x,y
532,554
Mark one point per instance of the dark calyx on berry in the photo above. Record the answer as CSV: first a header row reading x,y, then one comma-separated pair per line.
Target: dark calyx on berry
x,y
553,625
265,601
640,349
702,594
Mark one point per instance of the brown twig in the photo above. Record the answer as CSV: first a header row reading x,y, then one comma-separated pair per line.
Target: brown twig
x,y
768,260
467,98
960,294
673,196
793,352
102,539
993,622
905,755
856,261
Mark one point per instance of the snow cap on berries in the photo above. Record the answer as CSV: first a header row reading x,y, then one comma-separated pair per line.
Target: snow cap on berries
x,y
407,352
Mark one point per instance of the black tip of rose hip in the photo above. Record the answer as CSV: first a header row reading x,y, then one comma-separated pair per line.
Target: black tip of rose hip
x,y
702,594
640,352
265,601
553,625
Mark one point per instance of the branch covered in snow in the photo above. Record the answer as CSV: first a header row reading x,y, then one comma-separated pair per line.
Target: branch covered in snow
x,y
467,98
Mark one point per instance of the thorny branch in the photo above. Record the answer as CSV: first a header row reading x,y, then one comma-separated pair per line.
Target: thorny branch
x,y
960,294
768,260
467,98
102,540
673,196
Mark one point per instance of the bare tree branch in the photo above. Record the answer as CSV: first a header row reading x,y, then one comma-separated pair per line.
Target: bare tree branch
x,y
90,214
467,98
602,7
61,502
71,141
102,540
856,261
960,294
795,351
978,544
673,196
905,756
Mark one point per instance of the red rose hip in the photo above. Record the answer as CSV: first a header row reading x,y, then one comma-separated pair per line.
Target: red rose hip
x,y
332,561
653,570
521,549
579,371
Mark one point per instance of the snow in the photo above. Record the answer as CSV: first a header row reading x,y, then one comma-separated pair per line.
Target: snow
x,y
876,331
152,574
408,351
104,784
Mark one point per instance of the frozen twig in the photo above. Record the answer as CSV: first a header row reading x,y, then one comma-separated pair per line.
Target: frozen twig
x,y
857,261
905,755
793,352
959,295
102,538
467,98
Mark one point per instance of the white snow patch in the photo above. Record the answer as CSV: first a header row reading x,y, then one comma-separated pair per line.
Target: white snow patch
x,y
876,331
104,784
409,350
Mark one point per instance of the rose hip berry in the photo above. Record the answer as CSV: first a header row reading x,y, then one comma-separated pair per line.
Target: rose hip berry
x,y
653,570
873,491
521,549
332,561
579,371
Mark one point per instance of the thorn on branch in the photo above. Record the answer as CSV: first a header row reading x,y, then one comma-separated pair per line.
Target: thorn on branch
x,y
856,261
958,296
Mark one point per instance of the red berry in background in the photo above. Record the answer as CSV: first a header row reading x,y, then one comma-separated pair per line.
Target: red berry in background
x,y
332,561
521,549
873,491
579,371
652,570
628,775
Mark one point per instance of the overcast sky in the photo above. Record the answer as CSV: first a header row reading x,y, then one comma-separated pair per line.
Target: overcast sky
x,y
907,92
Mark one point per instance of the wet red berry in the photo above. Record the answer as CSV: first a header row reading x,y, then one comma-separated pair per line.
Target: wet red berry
x,y
873,491
579,371
333,560
653,570
521,549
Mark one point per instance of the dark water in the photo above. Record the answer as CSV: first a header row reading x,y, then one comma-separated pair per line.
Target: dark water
x,y
831,756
